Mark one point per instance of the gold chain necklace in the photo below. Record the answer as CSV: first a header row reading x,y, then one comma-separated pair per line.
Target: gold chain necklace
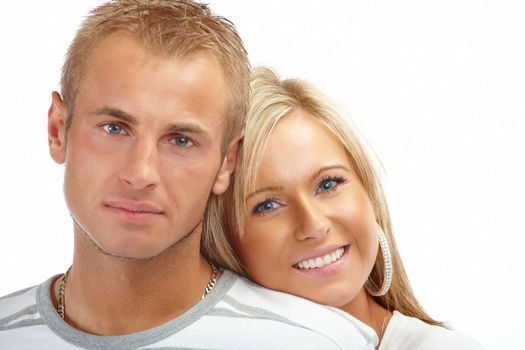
x,y
61,307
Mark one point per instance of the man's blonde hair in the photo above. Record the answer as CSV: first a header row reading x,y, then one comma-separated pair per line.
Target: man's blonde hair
x,y
273,99
170,28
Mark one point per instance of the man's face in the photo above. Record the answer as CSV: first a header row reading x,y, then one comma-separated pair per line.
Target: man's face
x,y
143,150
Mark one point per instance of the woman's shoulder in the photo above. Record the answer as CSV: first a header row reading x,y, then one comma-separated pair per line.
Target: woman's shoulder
x,y
404,332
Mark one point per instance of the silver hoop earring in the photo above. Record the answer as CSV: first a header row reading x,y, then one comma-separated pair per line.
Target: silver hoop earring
x,y
389,268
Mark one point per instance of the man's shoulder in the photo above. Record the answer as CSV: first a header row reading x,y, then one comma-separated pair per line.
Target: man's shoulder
x,y
18,309
17,301
248,300
236,314
245,290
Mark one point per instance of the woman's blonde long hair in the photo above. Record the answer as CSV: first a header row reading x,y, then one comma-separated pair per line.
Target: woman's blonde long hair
x,y
271,100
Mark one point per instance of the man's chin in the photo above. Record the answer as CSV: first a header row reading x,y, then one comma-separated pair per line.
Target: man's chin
x,y
142,253
122,247
127,255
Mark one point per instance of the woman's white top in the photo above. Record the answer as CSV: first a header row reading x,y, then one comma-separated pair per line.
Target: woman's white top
x,y
410,333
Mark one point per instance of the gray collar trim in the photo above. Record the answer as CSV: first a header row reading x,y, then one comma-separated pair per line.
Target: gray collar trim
x,y
134,340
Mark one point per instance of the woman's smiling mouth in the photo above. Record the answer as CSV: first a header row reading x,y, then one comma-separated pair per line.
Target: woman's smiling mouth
x,y
320,261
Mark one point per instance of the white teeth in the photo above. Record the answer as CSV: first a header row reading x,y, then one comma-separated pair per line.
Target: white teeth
x,y
322,260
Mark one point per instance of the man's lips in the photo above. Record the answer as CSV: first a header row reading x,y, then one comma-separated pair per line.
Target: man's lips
x,y
134,207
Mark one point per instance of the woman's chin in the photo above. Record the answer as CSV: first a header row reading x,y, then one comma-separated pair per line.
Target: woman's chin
x,y
335,297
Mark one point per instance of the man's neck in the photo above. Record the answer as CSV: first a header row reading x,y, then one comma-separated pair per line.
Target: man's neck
x,y
106,295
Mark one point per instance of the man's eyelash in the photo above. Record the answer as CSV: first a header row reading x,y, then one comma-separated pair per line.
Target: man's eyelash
x,y
119,124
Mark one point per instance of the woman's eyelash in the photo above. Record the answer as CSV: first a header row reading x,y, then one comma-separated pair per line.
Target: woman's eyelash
x,y
327,184
339,180
336,178
259,205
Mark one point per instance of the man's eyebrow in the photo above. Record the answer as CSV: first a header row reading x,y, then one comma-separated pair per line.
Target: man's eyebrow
x,y
264,189
171,128
117,113
186,127
330,167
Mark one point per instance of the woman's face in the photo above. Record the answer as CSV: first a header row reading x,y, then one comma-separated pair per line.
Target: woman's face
x,y
310,228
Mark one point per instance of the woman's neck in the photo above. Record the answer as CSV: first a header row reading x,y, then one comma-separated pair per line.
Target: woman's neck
x,y
366,310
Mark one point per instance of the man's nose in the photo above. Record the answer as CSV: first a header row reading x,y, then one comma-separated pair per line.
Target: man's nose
x,y
140,170
313,224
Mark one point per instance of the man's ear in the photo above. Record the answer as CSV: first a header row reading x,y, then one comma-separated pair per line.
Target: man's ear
x,y
56,124
223,179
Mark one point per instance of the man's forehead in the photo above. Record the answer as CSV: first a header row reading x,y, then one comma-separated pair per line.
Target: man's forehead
x,y
122,42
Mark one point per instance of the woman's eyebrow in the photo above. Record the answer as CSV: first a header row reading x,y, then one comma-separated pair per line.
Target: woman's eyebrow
x,y
265,189
330,167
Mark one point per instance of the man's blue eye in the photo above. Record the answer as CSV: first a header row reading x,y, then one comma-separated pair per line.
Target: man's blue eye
x,y
182,141
265,207
114,129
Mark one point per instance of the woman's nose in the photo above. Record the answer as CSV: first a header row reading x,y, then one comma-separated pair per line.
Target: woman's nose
x,y
313,223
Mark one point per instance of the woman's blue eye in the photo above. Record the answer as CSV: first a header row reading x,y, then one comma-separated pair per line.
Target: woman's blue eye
x,y
182,141
114,129
327,185
330,184
265,207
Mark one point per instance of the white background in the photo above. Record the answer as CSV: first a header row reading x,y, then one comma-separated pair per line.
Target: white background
x,y
437,88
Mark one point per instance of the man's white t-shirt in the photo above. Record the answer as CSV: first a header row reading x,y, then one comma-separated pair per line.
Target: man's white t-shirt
x,y
236,314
